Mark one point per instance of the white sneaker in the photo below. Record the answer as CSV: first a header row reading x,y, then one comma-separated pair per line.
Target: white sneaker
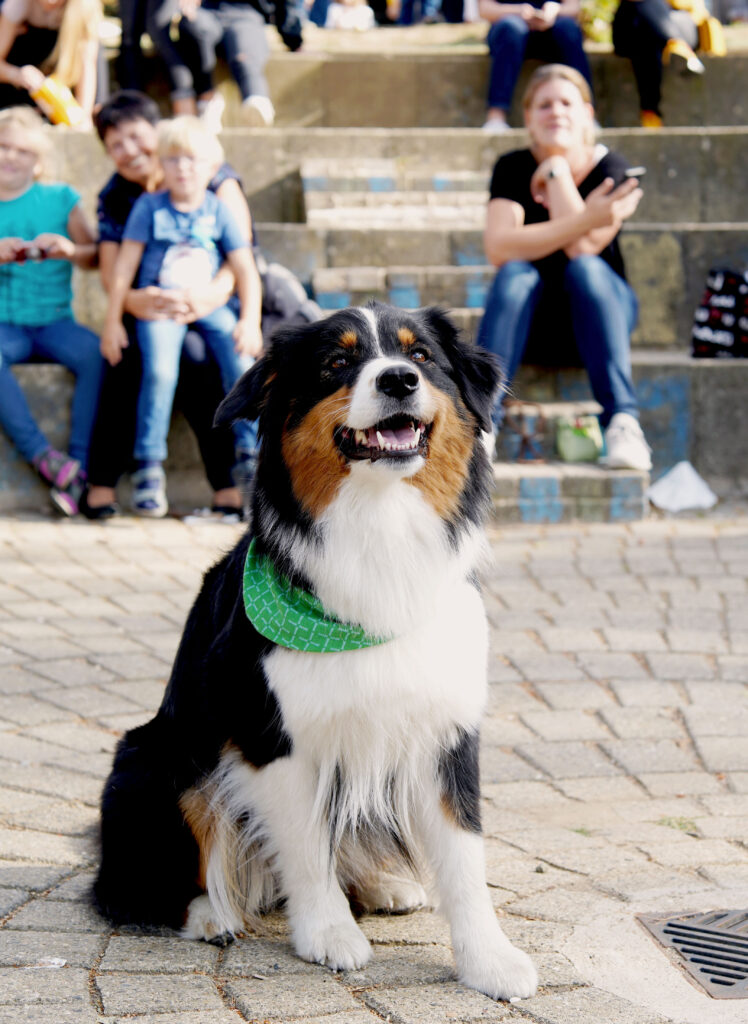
x,y
258,111
625,444
211,111
495,126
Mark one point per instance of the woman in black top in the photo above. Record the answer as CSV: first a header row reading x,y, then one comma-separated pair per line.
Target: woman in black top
x,y
552,224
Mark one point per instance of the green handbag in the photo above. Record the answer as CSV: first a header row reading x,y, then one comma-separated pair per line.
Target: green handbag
x,y
579,438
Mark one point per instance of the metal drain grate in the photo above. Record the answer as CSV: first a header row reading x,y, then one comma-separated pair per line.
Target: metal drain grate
x,y
713,947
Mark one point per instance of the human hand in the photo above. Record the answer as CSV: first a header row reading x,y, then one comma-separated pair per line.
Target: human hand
x,y
199,303
11,249
113,340
55,247
188,8
609,206
153,303
248,338
29,78
556,165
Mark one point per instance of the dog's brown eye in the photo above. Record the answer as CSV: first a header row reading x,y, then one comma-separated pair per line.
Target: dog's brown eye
x,y
419,355
339,362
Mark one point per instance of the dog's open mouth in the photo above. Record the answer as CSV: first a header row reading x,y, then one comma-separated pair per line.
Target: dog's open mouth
x,y
398,437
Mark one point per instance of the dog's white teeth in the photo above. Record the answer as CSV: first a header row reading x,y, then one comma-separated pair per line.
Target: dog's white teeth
x,y
362,437
417,438
381,441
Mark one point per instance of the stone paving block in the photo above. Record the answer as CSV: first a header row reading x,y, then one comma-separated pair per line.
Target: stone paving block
x,y
76,888
499,729
565,725
717,693
281,998
724,720
16,844
723,755
498,766
70,785
614,790
682,666
557,639
694,854
733,667
423,928
10,899
73,672
30,710
31,810
415,965
146,954
570,760
52,648
200,1017
109,643
252,956
29,877
14,679
50,1013
649,694
653,755
51,915
634,639
133,666
515,641
612,665
680,783
29,949
509,697
149,993
633,723
588,1006
574,695
546,667
702,641
650,882
68,984
734,829
84,738
567,905
425,1004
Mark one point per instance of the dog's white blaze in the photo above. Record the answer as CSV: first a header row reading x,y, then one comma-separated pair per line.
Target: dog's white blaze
x,y
365,408
371,318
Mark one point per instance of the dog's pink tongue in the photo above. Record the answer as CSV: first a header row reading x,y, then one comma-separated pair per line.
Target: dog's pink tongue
x,y
403,435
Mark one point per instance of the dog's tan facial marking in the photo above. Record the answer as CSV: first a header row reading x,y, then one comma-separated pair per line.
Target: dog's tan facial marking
x,y
443,477
406,337
349,340
195,806
314,462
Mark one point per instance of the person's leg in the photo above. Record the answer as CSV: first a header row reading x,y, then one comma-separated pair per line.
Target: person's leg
x,y
16,419
507,42
505,327
246,46
76,347
561,44
160,344
159,15
198,39
217,330
132,17
199,392
604,311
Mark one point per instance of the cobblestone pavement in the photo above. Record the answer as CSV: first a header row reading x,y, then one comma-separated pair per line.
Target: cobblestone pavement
x,y
615,779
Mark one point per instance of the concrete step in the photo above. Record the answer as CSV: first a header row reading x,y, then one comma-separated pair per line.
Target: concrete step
x,y
561,492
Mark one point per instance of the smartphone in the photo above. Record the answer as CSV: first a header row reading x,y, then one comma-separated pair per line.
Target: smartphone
x,y
635,172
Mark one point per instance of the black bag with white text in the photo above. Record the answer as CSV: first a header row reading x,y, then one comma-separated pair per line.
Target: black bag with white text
x,y
720,323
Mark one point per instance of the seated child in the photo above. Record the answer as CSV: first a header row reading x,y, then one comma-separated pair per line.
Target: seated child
x,y
43,231
179,238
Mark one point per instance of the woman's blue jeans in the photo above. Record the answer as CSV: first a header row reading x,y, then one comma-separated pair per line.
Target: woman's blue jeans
x,y
65,342
603,310
510,42
161,344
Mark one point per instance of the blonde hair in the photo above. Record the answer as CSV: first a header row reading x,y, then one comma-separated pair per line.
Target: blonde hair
x,y
80,25
555,72
32,124
188,134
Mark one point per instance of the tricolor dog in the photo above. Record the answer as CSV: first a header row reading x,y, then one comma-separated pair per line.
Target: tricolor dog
x,y
318,739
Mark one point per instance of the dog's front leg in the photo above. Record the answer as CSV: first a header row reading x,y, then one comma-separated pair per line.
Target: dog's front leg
x,y
486,959
319,915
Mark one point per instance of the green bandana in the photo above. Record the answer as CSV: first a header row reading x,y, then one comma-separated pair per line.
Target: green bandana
x,y
293,617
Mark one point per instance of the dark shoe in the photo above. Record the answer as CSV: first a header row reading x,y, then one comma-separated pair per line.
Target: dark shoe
x,y
67,500
96,512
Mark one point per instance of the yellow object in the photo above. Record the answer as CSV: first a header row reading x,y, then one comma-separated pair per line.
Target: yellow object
x,y
648,119
712,37
56,101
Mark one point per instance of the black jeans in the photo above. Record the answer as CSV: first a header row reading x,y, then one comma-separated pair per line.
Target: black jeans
x,y
239,30
640,30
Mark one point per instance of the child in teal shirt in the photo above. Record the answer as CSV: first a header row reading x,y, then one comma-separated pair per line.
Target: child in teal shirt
x,y
43,231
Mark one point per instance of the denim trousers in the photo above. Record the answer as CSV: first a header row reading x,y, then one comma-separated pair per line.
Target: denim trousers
x,y
160,343
65,342
241,31
603,310
510,41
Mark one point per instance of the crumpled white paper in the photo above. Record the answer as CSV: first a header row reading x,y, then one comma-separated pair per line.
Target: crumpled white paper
x,y
681,488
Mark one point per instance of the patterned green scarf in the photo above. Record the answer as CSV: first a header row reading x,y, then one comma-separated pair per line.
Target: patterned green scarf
x,y
293,617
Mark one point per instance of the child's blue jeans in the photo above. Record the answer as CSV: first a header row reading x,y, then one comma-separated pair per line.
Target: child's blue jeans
x,y
160,344
65,342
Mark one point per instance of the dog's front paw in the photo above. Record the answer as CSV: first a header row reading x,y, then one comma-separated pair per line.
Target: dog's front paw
x,y
203,923
342,946
391,894
504,972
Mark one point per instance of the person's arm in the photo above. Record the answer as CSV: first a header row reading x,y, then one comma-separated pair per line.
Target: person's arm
x,y
149,303
248,332
80,248
507,237
553,186
493,11
27,77
85,87
114,336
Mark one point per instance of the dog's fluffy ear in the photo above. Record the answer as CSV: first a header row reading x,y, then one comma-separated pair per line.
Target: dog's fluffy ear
x,y
246,398
476,372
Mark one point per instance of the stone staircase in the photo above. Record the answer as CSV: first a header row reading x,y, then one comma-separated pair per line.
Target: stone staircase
x,y
373,184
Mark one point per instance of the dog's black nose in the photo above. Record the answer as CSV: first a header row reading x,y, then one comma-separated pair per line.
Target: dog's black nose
x,y
397,381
